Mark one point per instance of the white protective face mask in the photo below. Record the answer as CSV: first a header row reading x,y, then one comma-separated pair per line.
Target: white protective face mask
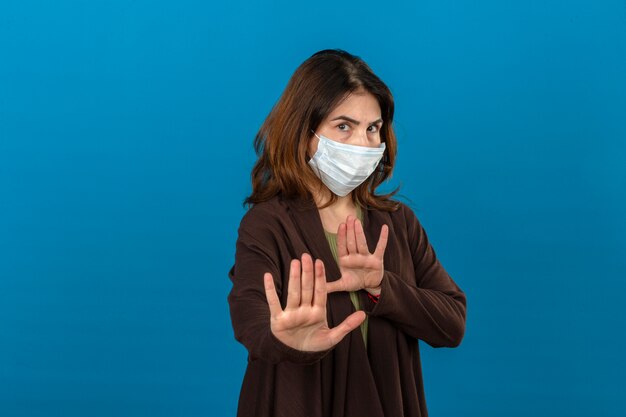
x,y
343,167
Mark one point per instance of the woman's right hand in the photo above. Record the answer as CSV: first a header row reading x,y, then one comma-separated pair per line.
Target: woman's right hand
x,y
302,325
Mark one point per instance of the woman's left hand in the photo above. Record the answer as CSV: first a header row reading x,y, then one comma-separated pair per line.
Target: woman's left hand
x,y
359,268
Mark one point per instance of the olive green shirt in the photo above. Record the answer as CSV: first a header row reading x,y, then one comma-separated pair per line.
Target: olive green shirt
x,y
332,242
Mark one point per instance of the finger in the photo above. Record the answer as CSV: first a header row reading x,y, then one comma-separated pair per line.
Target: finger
x,y
306,295
351,322
320,284
382,241
360,238
293,288
351,238
342,249
270,294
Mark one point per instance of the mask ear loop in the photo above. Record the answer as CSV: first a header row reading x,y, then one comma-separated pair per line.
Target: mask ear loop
x,y
384,162
312,131
381,165
317,169
308,158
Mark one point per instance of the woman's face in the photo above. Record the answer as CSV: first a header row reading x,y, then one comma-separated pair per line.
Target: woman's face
x,y
356,121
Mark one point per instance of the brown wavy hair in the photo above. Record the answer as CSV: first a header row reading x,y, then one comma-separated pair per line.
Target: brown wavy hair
x,y
317,86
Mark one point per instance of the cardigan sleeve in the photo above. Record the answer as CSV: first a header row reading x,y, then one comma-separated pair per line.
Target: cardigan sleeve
x,y
431,308
257,253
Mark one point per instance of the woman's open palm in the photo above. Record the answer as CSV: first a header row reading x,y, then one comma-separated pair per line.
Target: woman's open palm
x,y
302,324
359,268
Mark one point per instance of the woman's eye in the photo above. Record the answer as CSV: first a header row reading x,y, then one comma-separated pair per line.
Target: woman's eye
x,y
373,129
343,126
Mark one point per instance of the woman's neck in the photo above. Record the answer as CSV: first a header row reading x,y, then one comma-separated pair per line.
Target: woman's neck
x,y
336,213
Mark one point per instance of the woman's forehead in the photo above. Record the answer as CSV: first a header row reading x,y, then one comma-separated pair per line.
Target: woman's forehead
x,y
361,106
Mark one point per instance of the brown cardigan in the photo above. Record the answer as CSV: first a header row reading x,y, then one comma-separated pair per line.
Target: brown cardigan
x,y
418,300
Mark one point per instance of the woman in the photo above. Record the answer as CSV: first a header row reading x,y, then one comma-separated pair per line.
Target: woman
x,y
333,284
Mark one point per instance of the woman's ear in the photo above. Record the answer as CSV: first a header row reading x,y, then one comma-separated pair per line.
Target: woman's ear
x,y
312,147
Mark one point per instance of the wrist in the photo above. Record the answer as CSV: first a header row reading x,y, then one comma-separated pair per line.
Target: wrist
x,y
374,291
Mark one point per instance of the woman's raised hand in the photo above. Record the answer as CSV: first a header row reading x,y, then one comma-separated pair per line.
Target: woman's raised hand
x,y
359,268
302,325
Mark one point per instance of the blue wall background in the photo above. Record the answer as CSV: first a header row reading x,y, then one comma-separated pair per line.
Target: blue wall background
x,y
125,152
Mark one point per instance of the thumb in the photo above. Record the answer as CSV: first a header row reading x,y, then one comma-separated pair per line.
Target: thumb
x,y
351,322
335,286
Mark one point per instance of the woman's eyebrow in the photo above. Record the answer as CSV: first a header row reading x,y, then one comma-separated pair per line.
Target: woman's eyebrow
x,y
356,122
